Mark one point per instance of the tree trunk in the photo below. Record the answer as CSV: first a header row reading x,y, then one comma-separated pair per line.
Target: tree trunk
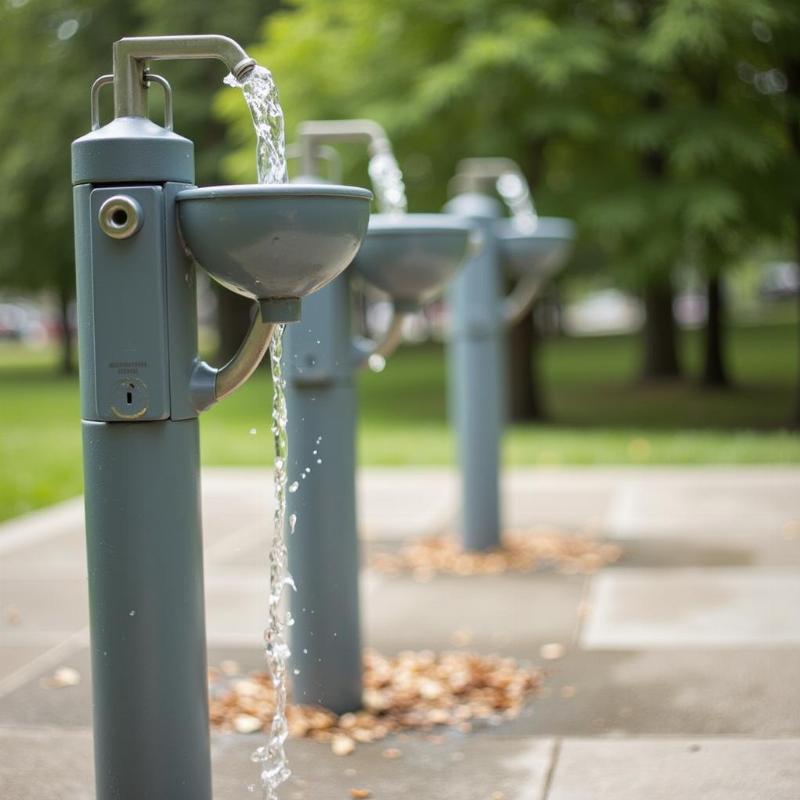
x,y
66,366
715,371
233,320
524,400
659,336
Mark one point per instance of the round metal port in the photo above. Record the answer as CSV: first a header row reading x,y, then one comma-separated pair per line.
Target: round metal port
x,y
120,217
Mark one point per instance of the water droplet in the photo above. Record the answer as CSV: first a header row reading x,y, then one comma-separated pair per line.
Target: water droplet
x,y
131,613
376,362
294,487
253,431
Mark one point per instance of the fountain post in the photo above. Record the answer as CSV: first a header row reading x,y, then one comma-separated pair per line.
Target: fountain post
x,y
475,369
530,248
410,257
143,387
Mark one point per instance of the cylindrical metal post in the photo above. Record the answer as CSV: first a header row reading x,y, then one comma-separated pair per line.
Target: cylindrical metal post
x,y
323,550
145,565
475,380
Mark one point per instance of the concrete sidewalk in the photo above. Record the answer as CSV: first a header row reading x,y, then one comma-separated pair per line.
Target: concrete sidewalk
x,y
679,678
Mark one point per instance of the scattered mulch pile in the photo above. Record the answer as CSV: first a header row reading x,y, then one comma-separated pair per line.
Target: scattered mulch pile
x,y
412,691
569,554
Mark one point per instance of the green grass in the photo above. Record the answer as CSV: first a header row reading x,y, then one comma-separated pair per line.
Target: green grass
x,y
598,415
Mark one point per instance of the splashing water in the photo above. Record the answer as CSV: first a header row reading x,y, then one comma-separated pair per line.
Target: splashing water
x,y
387,181
261,95
514,190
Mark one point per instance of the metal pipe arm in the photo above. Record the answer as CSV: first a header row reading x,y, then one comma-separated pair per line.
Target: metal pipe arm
x,y
384,347
312,133
211,384
132,53
519,300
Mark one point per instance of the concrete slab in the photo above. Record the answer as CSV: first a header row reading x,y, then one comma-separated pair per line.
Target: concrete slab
x,y
13,657
41,526
45,611
555,499
720,607
46,764
718,502
459,768
402,503
684,769
627,693
512,614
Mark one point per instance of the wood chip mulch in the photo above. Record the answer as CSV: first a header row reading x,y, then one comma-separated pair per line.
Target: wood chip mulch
x,y
412,691
520,552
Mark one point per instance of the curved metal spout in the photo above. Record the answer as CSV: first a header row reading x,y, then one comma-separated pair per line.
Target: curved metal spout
x,y
132,53
312,133
210,384
521,298
392,338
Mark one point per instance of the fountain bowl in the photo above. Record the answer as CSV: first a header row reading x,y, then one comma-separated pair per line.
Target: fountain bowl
x,y
411,257
274,243
542,250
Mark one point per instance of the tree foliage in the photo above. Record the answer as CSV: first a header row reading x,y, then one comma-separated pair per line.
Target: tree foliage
x,y
50,52
637,117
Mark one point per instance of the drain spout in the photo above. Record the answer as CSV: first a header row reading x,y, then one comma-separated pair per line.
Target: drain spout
x,y
210,384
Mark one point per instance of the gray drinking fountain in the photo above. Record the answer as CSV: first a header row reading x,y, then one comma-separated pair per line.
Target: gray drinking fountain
x,y
137,220
530,249
411,257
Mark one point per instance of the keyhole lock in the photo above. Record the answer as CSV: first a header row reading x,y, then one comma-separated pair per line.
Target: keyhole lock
x,y
120,217
130,399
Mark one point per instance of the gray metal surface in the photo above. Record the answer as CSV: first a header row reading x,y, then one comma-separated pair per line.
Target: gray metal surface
x,y
412,257
323,550
541,251
132,150
274,241
132,54
145,567
475,376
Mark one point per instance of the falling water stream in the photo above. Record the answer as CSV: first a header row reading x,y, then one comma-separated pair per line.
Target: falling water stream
x,y
261,95
387,181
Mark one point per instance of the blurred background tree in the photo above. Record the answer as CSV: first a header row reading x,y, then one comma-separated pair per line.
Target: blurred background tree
x,y
636,117
669,129
52,50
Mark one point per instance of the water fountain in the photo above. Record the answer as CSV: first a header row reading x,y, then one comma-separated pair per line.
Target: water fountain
x,y
411,257
140,226
529,248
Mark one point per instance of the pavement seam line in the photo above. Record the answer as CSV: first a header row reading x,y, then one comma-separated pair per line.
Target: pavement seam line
x,y
48,659
548,778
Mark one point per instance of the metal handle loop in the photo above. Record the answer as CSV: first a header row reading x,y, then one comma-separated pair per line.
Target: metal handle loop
x,y
149,78
95,98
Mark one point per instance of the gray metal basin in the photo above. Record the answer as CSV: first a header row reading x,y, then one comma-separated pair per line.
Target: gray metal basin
x,y
411,257
542,251
274,241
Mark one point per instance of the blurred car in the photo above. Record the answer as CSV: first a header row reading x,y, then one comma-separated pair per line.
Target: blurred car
x,y
779,281
22,321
